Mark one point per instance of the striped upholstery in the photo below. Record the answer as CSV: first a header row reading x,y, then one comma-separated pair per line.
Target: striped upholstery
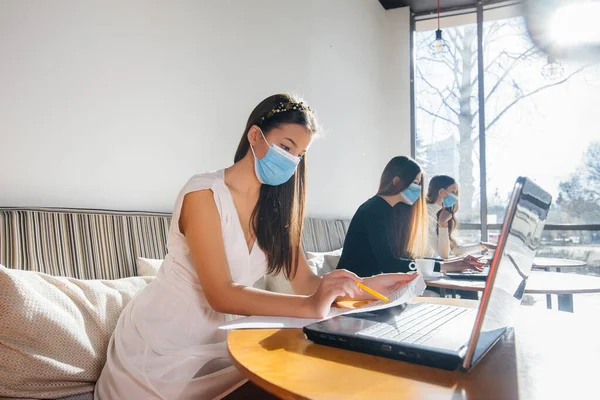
x,y
83,244
98,244
321,235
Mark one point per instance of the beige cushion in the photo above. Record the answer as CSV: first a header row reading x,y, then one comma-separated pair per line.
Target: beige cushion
x,y
261,283
319,262
148,266
322,263
54,331
278,283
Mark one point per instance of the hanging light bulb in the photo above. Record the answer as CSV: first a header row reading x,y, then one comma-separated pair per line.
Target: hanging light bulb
x,y
439,46
553,70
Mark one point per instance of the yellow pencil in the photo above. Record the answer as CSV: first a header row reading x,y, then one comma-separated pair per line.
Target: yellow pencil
x,y
374,293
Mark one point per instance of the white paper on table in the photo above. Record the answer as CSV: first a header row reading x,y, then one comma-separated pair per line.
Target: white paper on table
x,y
264,322
401,296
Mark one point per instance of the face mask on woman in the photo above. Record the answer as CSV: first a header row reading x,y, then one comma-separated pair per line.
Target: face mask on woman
x,y
412,193
276,167
450,200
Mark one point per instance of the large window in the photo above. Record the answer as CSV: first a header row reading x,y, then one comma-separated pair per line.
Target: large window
x,y
536,125
447,104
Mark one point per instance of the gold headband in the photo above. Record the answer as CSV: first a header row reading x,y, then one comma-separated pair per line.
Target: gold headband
x,y
283,107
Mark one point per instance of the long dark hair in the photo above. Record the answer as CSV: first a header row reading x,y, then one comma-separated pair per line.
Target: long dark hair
x,y
410,222
435,184
278,217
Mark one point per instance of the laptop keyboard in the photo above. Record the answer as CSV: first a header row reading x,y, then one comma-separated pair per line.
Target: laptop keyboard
x,y
415,325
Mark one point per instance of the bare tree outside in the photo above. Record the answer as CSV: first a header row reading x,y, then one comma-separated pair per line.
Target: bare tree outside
x,y
541,128
447,93
579,196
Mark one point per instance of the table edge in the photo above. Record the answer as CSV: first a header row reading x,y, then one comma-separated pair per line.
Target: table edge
x,y
260,382
284,393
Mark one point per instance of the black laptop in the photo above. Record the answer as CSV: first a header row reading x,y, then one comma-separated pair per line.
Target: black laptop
x,y
451,337
470,274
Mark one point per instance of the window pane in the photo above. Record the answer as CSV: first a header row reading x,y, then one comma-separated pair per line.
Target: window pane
x,y
574,245
540,127
446,88
467,236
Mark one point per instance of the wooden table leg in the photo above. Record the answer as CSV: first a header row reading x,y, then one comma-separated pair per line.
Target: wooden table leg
x,y
565,302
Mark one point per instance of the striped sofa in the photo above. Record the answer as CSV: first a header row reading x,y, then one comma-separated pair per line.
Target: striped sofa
x,y
92,245
100,244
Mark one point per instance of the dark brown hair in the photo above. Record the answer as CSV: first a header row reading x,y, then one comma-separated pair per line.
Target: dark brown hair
x,y
278,216
435,184
410,222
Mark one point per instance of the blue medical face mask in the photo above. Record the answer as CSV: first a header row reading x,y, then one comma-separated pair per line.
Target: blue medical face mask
x,y
276,167
450,200
412,193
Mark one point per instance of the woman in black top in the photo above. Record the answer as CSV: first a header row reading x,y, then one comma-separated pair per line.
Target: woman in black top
x,y
390,229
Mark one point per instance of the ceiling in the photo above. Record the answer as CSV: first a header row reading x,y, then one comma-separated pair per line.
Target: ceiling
x,y
426,6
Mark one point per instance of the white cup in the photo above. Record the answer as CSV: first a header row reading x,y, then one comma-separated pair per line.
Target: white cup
x,y
425,266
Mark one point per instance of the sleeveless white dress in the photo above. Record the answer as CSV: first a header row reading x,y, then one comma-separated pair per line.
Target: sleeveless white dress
x,y
166,344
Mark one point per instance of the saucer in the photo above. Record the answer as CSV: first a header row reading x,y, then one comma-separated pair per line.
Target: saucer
x,y
434,275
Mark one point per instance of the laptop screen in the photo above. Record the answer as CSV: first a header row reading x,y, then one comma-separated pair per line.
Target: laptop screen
x,y
512,262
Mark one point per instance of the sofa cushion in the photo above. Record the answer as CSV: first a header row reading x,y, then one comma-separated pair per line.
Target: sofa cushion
x,y
323,262
148,266
319,262
54,331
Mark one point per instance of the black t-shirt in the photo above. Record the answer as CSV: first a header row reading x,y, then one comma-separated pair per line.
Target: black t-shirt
x,y
368,248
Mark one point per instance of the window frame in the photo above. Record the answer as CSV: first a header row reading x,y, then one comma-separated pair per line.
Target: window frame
x,y
478,9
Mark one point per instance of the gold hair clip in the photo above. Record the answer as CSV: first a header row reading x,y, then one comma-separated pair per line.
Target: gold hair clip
x,y
283,107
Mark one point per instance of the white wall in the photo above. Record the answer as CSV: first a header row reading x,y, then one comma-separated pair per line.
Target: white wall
x,y
115,104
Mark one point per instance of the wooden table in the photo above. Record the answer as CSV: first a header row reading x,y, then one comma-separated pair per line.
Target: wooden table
x,y
539,282
558,264
550,355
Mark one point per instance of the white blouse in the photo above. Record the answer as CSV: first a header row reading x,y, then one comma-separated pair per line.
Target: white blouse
x,y
438,243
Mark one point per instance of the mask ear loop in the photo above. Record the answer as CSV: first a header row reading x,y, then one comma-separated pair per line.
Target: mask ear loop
x,y
446,194
278,149
263,135
443,198
264,138
252,148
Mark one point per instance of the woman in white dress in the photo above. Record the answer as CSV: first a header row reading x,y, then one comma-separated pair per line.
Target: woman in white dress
x,y
229,228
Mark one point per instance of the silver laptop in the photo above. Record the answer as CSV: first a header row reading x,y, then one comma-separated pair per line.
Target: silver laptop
x,y
451,337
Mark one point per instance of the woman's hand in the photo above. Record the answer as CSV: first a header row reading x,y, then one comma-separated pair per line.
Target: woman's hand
x,y
488,245
444,217
387,283
462,264
338,283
